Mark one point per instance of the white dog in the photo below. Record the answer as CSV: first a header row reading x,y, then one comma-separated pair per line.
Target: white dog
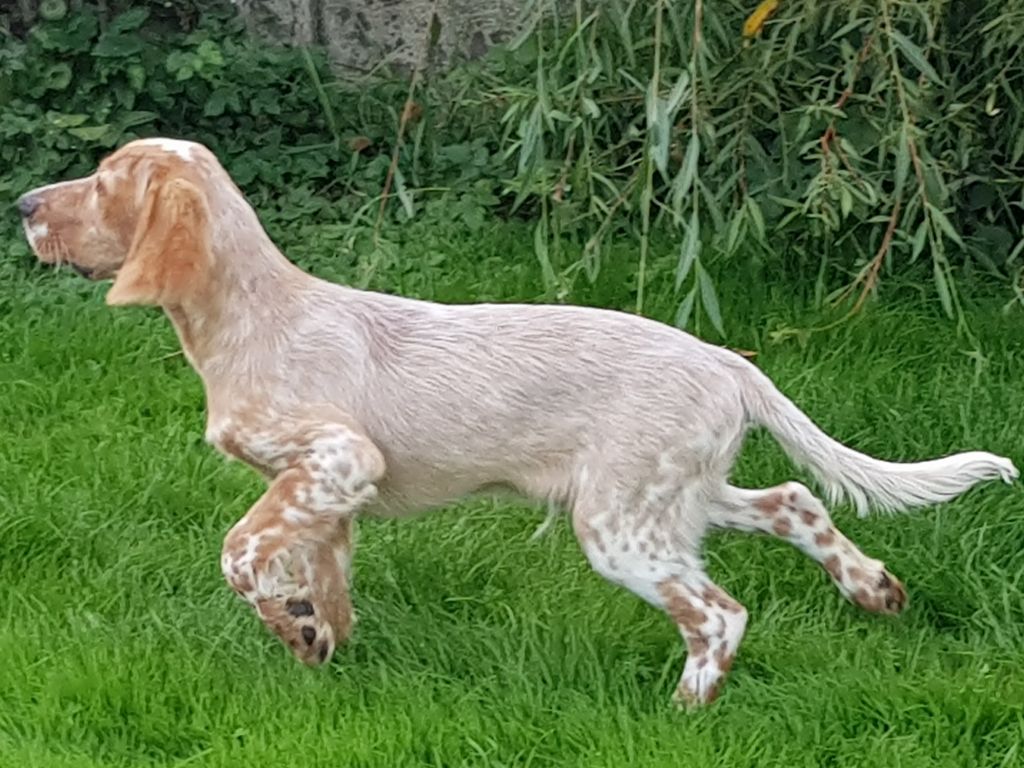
x,y
355,402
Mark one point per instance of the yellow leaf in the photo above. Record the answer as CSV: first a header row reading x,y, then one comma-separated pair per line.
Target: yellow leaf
x,y
755,22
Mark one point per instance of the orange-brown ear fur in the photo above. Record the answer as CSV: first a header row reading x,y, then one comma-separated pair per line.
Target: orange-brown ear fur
x,y
170,252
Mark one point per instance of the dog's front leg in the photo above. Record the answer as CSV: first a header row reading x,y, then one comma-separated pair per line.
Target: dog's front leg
x,y
289,557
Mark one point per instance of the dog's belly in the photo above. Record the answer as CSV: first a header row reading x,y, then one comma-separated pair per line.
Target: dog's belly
x,y
410,487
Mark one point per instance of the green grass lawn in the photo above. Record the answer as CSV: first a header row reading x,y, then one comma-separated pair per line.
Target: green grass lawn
x,y
120,644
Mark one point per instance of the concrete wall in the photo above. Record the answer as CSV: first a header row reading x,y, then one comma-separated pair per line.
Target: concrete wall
x,y
360,34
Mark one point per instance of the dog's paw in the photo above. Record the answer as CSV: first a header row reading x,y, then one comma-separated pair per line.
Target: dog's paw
x,y
877,591
304,629
301,594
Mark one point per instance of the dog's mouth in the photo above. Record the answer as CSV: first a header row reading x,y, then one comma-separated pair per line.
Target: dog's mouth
x,y
50,249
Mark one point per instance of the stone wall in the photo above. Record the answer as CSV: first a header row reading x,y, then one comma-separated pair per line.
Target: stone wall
x,y
362,34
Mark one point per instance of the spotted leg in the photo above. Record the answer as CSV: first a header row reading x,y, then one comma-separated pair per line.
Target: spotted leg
x,y
289,556
651,546
712,624
792,513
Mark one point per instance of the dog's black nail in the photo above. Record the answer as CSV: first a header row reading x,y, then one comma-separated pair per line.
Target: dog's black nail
x,y
323,652
301,608
309,635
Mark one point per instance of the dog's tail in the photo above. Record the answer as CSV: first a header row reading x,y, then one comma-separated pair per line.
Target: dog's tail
x,y
864,480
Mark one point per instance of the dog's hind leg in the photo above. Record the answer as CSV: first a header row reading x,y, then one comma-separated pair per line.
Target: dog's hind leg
x,y
792,513
651,546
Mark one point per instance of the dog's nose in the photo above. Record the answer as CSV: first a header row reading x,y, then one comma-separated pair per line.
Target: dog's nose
x,y
27,205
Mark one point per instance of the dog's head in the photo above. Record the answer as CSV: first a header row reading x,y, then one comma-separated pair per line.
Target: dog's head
x,y
142,218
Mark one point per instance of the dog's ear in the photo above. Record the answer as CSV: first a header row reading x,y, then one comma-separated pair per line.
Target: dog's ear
x,y
169,256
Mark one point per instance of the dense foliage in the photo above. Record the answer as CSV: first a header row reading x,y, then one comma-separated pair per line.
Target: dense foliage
x,y
858,138
861,135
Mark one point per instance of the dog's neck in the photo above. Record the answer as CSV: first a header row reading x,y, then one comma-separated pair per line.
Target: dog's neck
x,y
231,325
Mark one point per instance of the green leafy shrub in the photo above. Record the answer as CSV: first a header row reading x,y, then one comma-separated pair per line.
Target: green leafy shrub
x,y
858,139
76,88
311,152
861,136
